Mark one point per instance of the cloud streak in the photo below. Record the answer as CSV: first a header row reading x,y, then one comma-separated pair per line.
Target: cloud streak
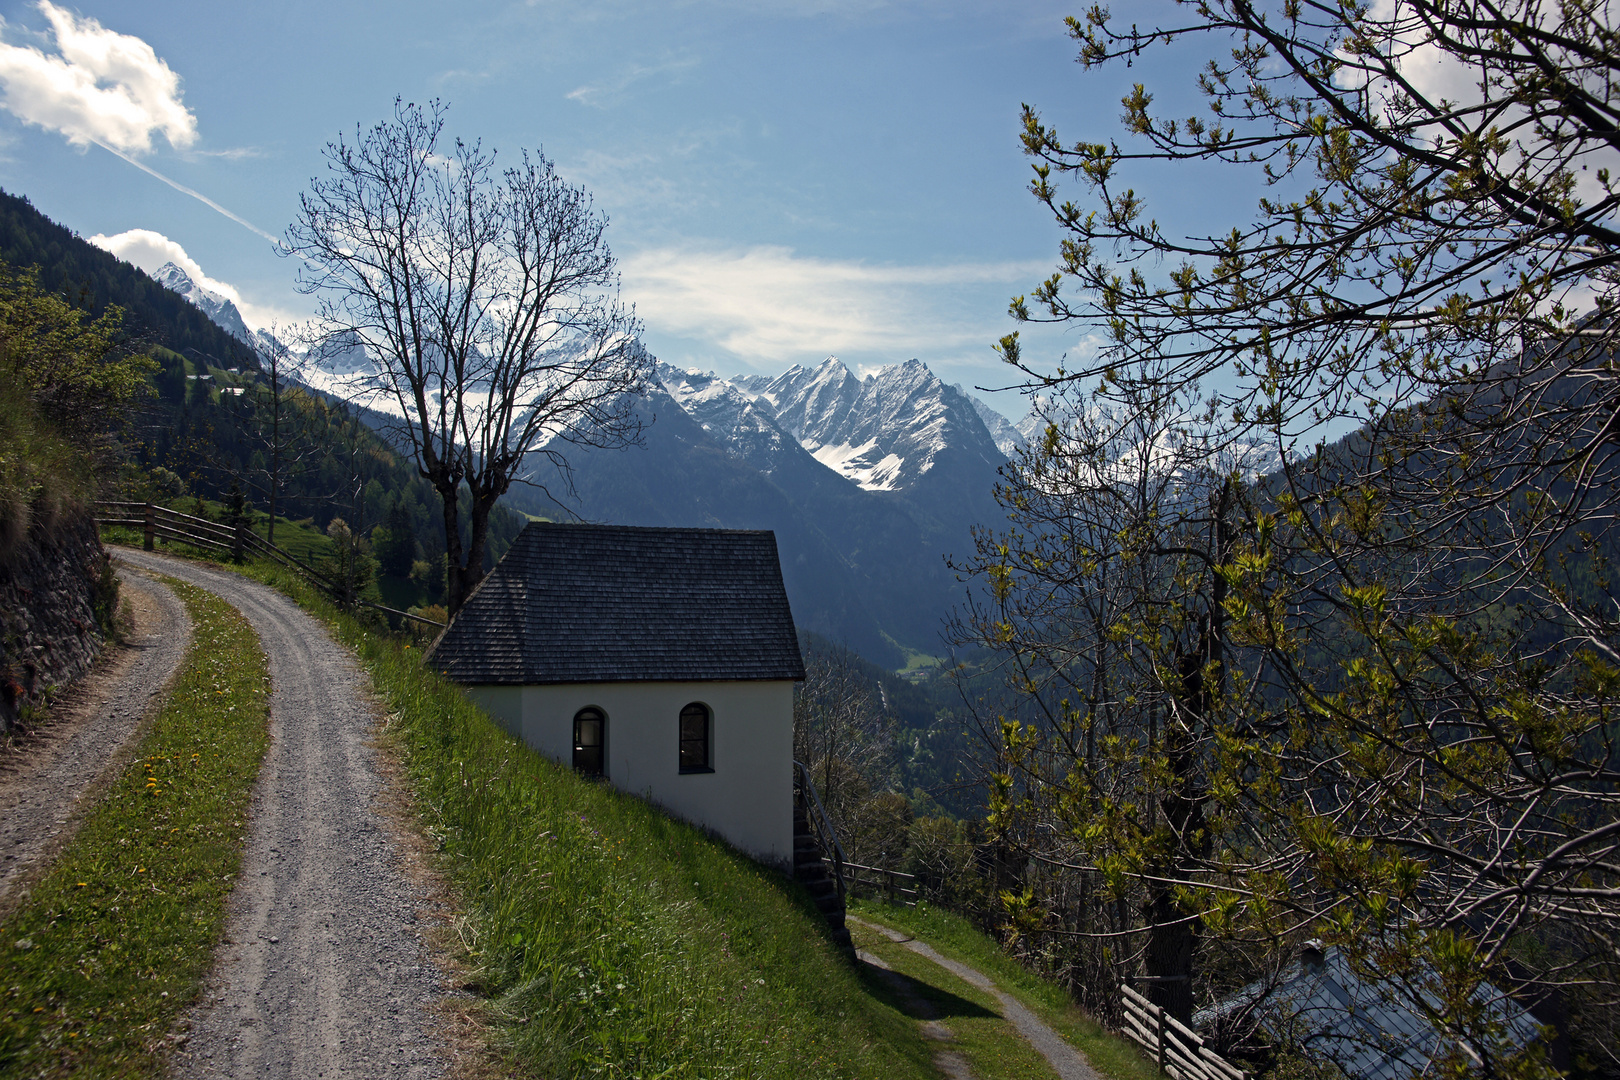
x,y
769,305
195,194
603,93
100,87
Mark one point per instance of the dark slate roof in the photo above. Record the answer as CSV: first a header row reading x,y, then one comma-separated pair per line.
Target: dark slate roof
x,y
601,603
1371,1030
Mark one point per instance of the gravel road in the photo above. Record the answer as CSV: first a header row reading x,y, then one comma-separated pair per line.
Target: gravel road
x,y
323,971
45,775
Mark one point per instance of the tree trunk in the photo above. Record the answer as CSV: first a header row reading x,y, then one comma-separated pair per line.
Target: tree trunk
x,y
456,587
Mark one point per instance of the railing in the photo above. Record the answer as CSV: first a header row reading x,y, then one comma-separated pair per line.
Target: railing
x,y
1179,1050
891,883
156,521
821,826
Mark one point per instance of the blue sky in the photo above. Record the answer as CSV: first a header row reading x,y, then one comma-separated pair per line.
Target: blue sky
x,y
784,180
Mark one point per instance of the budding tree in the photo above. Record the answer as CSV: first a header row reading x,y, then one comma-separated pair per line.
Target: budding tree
x,y
487,300
1427,275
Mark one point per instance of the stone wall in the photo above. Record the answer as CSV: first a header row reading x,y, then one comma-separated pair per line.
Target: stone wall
x,y
49,635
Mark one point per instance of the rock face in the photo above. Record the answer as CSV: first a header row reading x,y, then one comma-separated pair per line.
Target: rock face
x,y
49,633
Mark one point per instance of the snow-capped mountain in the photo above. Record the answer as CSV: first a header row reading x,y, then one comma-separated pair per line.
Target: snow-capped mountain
x,y
887,431
1008,437
883,433
746,425
343,356
215,306
1032,426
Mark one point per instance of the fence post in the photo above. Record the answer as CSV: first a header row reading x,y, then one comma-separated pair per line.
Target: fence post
x,y
1158,1032
239,541
148,539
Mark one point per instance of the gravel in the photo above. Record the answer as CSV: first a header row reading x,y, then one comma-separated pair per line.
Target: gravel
x,y
46,774
323,971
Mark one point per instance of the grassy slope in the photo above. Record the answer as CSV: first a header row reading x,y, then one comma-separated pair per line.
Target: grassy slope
x,y
613,940
956,938
113,943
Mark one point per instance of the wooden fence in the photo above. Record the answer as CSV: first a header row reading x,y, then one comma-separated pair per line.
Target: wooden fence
x,y
239,541
894,886
1179,1050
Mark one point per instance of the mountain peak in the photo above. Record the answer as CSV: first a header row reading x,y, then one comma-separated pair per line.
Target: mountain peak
x,y
218,308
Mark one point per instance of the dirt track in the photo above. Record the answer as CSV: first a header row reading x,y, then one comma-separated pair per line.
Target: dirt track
x,y
323,972
46,774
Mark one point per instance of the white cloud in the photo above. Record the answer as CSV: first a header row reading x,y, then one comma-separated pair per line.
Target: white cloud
x,y
149,250
101,86
1439,75
610,90
766,304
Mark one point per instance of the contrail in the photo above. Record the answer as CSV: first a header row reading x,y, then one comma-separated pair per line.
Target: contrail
x,y
199,196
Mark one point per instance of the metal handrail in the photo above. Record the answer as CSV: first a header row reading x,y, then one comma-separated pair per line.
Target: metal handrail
x,y
826,837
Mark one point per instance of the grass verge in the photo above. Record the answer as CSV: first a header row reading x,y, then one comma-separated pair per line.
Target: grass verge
x,y
611,940
1112,1055
113,943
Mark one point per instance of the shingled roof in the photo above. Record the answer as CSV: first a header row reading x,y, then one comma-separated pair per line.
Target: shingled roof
x,y
600,603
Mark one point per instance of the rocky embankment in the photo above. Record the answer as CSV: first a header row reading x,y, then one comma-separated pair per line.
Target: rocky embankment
x,y
50,627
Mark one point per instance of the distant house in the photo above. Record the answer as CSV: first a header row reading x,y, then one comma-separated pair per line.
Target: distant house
x,y
662,660
1370,1030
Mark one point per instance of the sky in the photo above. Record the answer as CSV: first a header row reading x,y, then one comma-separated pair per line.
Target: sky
x,y
784,180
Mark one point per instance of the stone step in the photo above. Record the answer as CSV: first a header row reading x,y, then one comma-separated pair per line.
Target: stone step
x,y
817,881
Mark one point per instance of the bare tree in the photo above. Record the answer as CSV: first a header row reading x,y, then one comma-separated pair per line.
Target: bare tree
x,y
488,301
842,731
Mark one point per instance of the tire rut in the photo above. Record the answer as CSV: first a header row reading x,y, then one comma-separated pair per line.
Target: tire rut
x,y
323,971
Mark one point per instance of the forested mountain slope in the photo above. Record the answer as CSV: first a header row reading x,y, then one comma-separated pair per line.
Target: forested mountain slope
x,y
91,279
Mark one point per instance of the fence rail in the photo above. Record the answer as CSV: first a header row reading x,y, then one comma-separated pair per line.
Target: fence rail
x,y
896,887
156,522
1179,1050
821,827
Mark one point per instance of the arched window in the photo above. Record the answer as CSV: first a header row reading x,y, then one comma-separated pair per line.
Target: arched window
x,y
590,736
695,739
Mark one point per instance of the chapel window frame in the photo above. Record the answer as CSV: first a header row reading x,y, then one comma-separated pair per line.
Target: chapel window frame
x,y
696,737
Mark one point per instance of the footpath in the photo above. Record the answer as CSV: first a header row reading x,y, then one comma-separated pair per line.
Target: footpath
x,y
987,1053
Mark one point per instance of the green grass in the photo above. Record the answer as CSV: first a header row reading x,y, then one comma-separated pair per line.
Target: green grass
x,y
612,940
113,943
955,937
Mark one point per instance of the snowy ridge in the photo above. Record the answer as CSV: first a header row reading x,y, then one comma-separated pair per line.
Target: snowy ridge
x,y
1009,437
884,432
740,420
215,306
